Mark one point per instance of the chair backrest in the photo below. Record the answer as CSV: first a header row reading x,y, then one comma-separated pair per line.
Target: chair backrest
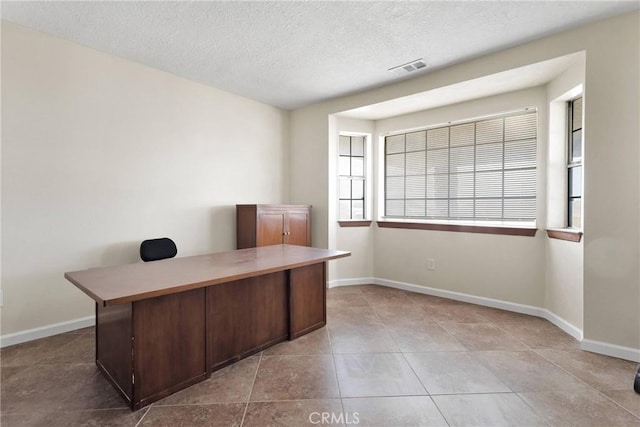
x,y
156,249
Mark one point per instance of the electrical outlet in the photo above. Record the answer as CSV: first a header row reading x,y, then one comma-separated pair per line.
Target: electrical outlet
x,y
431,264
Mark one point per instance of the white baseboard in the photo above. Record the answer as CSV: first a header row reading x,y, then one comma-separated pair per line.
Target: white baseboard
x,y
613,350
46,331
574,331
459,296
350,282
561,323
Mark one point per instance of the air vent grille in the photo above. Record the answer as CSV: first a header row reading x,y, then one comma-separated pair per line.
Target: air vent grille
x,y
409,67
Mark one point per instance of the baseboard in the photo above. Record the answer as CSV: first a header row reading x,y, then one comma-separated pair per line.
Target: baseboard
x,y
46,331
459,296
351,282
613,350
561,323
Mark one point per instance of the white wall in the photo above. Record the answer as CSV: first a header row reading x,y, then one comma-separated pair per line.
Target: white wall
x,y
508,268
358,240
612,183
99,153
564,264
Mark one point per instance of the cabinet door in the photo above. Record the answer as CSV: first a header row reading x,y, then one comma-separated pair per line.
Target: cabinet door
x,y
271,228
298,229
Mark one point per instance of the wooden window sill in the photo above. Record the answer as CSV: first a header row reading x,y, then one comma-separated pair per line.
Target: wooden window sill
x,y
356,223
565,234
484,229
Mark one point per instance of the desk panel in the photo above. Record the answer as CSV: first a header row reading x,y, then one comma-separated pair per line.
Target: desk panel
x,y
246,316
169,344
307,299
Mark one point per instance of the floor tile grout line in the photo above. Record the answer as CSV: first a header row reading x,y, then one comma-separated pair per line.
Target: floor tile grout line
x,y
416,374
562,368
335,369
439,410
386,329
539,413
506,331
253,383
618,404
143,416
598,391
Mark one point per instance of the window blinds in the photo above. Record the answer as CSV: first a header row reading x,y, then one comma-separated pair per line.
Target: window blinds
x,y
482,170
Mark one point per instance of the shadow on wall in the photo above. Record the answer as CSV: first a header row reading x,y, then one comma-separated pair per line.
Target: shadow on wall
x,y
222,228
121,253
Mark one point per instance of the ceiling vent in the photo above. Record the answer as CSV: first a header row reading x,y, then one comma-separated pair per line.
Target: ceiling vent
x,y
409,67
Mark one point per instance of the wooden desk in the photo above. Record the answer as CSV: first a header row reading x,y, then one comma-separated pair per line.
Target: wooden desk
x,y
165,325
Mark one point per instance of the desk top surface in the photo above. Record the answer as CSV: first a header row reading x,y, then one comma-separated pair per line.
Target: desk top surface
x,y
134,282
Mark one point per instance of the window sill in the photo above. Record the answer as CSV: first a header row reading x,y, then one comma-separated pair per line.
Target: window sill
x,y
354,223
484,229
568,234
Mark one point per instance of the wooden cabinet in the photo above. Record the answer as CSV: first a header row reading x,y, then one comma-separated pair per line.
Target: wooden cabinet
x,y
265,225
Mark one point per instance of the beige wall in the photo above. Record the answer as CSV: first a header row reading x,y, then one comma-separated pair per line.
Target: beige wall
x,y
99,153
564,264
358,240
612,183
612,207
508,268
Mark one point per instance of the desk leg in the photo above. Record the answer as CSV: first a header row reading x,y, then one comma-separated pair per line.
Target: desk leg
x,y
307,299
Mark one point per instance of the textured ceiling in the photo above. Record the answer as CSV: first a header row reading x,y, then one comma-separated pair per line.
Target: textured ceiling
x,y
294,53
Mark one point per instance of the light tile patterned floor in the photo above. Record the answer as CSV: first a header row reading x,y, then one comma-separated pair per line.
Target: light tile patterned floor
x,y
387,358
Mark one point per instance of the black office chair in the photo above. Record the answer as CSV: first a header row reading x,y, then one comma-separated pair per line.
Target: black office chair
x,y
156,249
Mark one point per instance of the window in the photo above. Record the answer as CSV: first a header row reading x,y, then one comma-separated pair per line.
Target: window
x,y
574,163
480,170
351,168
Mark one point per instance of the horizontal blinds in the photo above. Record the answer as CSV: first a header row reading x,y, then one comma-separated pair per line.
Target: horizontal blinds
x,y
482,170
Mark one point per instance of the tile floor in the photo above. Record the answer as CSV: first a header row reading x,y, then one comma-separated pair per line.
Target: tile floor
x,y
387,358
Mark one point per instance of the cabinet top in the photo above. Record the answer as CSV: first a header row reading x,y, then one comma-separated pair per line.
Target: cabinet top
x,y
134,282
271,205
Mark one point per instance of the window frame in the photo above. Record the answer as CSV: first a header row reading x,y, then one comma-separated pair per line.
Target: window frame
x,y
354,222
500,225
572,163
